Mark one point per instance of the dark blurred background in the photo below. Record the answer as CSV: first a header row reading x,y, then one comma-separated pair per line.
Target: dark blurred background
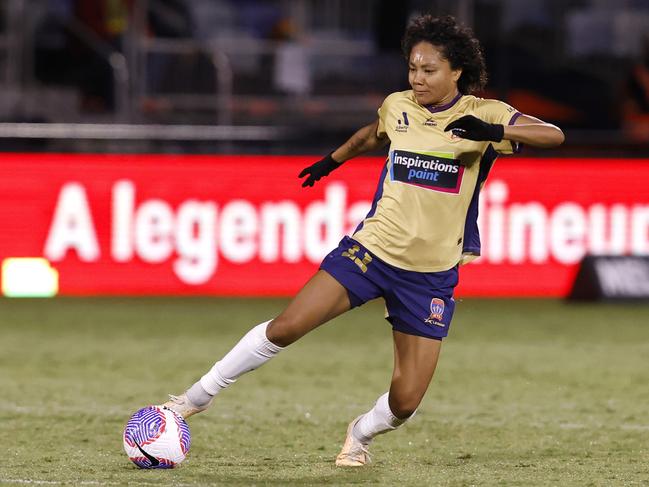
x,y
299,76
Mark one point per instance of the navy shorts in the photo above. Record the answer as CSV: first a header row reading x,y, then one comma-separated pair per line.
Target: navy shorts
x,y
417,303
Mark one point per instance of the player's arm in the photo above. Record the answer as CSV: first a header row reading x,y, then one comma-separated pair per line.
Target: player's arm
x,y
533,131
364,140
526,129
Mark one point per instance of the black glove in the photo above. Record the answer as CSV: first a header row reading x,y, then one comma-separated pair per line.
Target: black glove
x,y
472,128
319,170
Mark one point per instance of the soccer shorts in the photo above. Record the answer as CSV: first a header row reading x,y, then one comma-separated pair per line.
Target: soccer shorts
x,y
417,303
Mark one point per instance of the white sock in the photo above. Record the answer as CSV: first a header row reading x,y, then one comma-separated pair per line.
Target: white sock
x,y
252,351
198,396
377,420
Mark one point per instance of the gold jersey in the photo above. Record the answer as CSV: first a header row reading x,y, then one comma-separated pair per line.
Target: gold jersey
x,y
424,214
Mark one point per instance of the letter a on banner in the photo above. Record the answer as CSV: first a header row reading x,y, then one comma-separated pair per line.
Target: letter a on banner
x,y
72,226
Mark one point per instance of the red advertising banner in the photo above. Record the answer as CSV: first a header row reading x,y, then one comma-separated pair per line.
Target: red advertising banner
x,y
243,225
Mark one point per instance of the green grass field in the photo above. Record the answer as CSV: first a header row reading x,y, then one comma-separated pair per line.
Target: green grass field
x,y
527,393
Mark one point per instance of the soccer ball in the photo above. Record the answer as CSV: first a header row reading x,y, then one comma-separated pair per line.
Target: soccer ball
x,y
156,437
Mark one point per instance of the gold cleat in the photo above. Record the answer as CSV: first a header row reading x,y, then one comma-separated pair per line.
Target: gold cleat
x,y
354,453
183,406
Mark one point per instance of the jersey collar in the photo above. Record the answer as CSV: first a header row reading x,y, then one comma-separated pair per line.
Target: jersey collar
x,y
441,108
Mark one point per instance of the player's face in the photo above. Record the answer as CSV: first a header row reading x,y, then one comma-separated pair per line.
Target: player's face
x,y
430,75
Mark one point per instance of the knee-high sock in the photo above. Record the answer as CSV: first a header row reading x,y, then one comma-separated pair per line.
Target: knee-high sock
x,y
377,420
252,351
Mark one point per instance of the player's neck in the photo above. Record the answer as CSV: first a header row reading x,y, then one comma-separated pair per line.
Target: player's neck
x,y
445,103
448,99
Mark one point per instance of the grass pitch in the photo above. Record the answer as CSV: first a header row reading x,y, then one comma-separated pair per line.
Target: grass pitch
x,y
528,392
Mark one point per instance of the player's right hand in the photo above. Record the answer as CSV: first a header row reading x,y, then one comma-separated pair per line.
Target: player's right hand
x,y
472,128
319,170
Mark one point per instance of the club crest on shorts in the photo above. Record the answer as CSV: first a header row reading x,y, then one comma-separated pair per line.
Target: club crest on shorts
x,y
436,312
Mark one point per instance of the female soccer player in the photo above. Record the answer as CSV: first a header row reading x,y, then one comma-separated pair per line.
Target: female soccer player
x,y
422,225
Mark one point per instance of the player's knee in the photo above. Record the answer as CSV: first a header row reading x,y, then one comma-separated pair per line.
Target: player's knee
x,y
404,412
282,331
404,407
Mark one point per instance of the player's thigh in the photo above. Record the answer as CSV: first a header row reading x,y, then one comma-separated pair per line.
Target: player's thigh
x,y
321,299
415,359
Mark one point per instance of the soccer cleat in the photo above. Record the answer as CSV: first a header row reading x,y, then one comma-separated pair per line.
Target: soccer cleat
x,y
354,453
183,406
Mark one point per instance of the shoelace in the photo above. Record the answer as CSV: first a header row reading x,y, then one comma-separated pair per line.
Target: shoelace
x,y
176,399
185,402
358,449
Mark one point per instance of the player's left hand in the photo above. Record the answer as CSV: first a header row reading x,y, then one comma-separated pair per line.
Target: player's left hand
x,y
472,128
319,170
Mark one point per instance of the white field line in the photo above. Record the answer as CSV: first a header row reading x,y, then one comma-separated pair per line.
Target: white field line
x,y
48,482
549,424
120,411
104,410
62,410
84,482
26,481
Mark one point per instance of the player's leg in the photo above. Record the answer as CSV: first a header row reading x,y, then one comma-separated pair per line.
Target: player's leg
x,y
420,307
415,359
343,282
321,299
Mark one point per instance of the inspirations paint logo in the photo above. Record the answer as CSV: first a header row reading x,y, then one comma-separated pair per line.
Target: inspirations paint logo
x,y
437,171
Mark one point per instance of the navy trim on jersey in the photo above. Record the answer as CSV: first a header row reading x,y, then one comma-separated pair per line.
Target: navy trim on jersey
x,y
377,196
516,146
434,109
471,239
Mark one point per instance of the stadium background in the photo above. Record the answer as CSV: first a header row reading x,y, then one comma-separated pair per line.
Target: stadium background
x,y
295,78
150,150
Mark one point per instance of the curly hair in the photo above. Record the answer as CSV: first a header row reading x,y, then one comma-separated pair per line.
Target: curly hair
x,y
457,43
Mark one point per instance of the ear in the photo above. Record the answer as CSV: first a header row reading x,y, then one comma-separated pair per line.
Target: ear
x,y
456,74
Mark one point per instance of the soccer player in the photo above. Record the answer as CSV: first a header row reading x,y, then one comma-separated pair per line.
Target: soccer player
x,y
422,225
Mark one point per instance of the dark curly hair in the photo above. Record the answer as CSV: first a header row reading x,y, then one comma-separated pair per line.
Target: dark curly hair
x,y
458,45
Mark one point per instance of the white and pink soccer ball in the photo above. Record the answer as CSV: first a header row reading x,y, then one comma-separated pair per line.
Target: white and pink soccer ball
x,y
156,437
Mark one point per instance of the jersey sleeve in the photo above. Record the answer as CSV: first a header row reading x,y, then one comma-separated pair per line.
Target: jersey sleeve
x,y
382,112
495,111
